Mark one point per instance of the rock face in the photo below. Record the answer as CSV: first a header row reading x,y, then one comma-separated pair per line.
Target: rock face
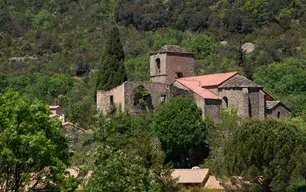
x,y
248,47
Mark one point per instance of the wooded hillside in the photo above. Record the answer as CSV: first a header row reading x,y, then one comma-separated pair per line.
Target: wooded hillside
x,y
44,43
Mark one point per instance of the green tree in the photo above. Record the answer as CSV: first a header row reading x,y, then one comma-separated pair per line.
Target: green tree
x,y
179,126
30,144
127,157
202,46
112,71
270,154
268,76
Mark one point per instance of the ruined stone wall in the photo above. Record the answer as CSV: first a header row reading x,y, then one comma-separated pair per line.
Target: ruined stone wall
x,y
238,98
179,63
212,109
157,91
279,109
103,98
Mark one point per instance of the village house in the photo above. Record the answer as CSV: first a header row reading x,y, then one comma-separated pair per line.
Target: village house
x,y
171,73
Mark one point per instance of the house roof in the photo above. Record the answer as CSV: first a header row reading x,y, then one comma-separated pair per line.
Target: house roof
x,y
269,97
272,104
174,49
194,86
190,175
238,81
211,80
213,183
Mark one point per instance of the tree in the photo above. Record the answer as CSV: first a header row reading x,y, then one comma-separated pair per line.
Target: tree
x,y
112,71
268,76
180,128
270,154
127,158
31,147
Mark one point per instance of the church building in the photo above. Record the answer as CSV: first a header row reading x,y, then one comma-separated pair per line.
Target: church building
x,y
171,73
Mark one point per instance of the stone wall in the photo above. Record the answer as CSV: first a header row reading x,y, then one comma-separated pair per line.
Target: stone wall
x,y
279,110
170,65
200,103
212,109
103,98
158,76
238,98
180,92
158,91
176,63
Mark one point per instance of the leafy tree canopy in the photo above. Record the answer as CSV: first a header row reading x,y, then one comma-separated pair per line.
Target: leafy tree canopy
x,y
30,144
180,128
269,154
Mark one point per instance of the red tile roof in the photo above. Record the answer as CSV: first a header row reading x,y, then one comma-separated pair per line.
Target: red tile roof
x,y
211,79
194,86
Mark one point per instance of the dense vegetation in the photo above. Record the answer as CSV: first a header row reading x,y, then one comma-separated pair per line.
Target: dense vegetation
x,y
43,39
62,51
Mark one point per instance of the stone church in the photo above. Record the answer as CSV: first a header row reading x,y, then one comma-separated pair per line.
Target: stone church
x,y
171,72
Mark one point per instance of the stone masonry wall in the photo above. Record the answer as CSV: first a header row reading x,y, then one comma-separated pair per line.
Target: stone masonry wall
x,y
157,91
179,63
279,109
158,76
103,98
238,99
212,109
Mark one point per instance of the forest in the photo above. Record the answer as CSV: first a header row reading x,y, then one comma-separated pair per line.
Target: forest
x,y
56,52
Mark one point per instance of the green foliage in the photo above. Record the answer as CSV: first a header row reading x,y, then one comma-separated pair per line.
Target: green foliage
x,y
30,143
42,20
202,46
108,9
261,151
138,68
268,76
179,126
112,70
127,158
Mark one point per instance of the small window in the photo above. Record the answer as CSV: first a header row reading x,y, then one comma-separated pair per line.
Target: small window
x,y
278,115
158,65
180,75
111,100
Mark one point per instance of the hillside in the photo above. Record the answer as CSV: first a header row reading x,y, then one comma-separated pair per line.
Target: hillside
x,y
43,44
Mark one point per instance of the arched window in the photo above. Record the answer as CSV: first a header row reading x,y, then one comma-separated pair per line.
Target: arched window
x,y
278,115
225,102
158,65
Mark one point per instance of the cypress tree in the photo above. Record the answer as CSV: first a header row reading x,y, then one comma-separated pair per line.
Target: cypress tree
x,y
112,71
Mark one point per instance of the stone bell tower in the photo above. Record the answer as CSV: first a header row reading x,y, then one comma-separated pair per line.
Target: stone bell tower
x,y
169,63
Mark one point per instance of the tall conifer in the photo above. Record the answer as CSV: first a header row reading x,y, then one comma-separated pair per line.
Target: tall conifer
x,y
112,71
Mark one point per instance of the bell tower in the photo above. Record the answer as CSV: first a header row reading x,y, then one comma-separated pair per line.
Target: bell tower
x,y
169,63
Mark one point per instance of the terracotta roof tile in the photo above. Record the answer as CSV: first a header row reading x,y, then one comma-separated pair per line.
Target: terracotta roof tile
x,y
196,88
213,183
190,175
212,79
